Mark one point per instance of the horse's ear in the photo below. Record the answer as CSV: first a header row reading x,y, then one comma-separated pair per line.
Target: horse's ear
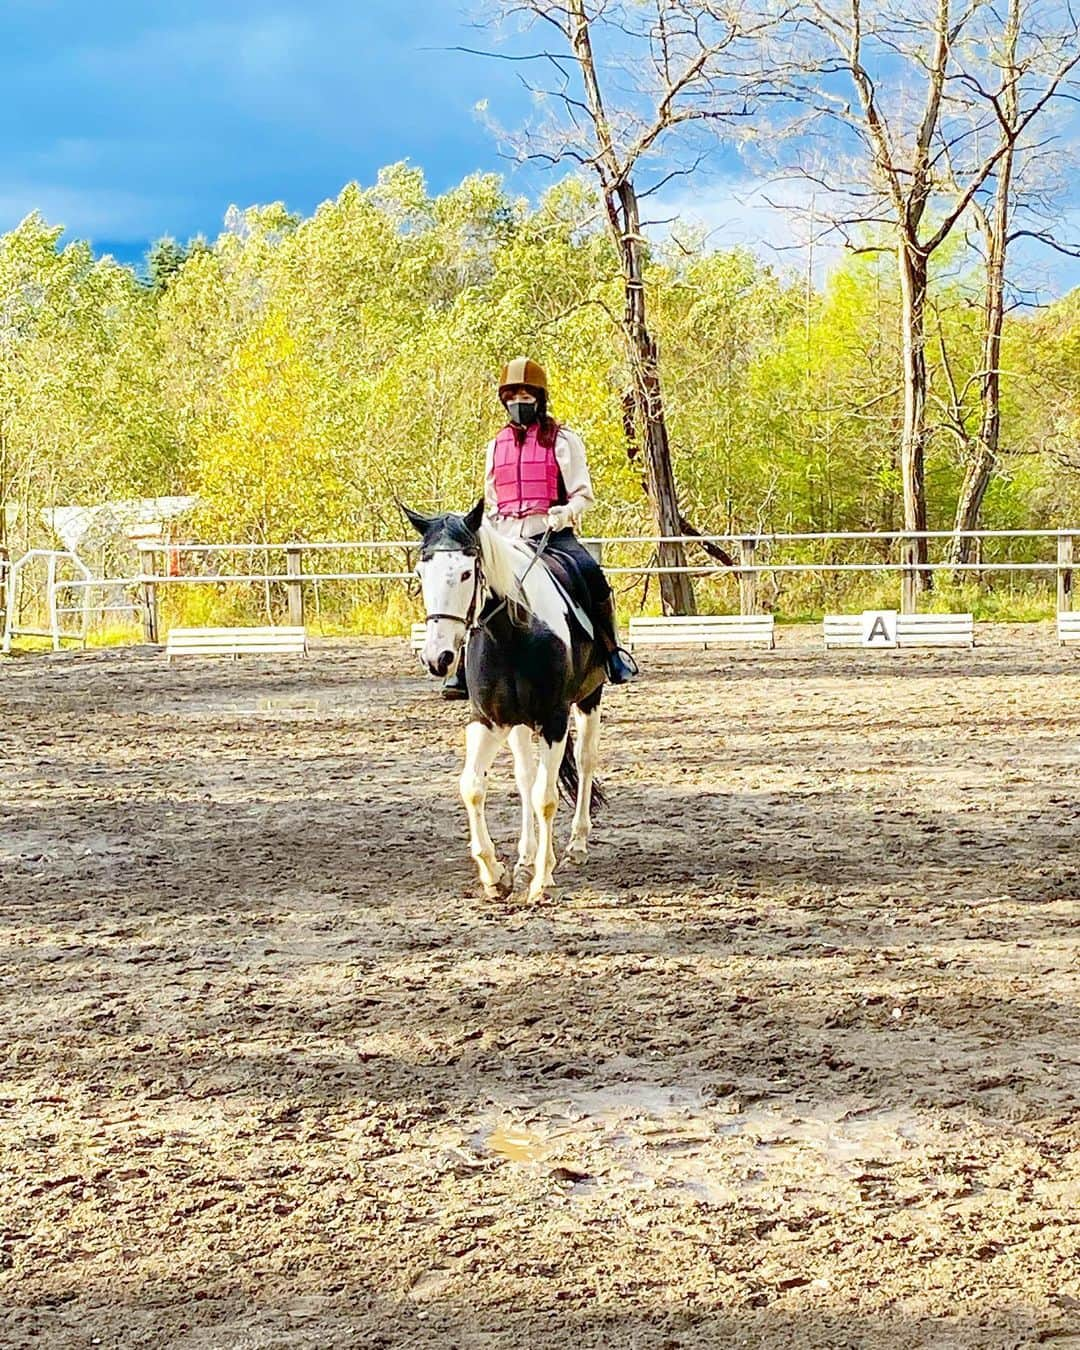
x,y
419,523
475,517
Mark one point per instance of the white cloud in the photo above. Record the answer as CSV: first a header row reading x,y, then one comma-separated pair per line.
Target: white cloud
x,y
776,221
106,213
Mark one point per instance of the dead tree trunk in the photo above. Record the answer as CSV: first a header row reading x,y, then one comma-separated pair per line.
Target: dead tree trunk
x,y
676,590
624,223
913,282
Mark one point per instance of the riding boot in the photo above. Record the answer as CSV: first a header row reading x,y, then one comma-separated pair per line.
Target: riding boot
x,y
454,686
621,666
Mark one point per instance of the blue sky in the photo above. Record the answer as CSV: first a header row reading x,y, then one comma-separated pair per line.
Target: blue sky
x,y
125,121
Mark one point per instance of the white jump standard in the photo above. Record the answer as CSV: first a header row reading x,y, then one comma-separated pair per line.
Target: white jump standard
x,y
704,630
235,642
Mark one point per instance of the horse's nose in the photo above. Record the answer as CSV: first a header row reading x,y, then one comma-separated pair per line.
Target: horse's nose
x,y
443,663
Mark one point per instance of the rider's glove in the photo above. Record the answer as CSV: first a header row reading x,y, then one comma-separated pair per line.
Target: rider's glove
x,y
560,518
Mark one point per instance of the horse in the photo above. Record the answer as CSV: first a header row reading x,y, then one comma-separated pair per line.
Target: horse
x,y
531,668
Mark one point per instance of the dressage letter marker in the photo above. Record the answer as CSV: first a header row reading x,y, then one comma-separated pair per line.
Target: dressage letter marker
x,y
885,630
879,628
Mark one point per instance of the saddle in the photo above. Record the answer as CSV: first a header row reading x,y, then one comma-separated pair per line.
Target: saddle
x,y
566,571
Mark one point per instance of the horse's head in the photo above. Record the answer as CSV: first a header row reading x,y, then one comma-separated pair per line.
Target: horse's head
x,y
449,571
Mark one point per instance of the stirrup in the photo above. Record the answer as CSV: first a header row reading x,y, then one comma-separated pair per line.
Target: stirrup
x,y
621,666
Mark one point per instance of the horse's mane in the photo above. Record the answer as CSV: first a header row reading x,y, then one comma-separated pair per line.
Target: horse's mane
x,y
514,573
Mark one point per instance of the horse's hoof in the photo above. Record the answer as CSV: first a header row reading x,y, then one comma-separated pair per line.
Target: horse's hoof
x,y
575,856
500,889
523,875
547,893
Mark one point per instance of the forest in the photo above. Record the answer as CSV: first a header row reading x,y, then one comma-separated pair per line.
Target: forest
x,y
298,375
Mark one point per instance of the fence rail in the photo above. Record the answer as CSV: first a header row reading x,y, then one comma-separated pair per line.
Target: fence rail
x,y
746,569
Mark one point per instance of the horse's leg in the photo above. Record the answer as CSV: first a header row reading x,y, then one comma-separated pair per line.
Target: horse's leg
x,y
481,746
586,752
521,747
545,796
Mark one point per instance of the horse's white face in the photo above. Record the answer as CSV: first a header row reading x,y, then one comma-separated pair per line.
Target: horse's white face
x,y
449,582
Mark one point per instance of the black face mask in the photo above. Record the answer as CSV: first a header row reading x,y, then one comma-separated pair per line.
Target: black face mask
x,y
522,414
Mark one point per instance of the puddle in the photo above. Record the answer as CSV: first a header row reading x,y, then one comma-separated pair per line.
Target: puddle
x,y
622,1101
842,1138
431,1285
678,1118
516,1144
638,1135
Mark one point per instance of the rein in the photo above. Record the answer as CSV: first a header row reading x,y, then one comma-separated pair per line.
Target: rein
x,y
469,618
535,557
503,603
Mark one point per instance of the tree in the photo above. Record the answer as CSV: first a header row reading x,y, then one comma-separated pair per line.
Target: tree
x,y
80,415
270,474
925,165
1042,419
298,374
687,56
163,261
1031,79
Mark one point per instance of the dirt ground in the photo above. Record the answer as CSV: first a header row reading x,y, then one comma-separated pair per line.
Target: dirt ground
x,y
792,1063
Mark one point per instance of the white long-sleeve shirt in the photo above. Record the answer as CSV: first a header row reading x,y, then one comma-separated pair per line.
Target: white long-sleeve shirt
x,y
570,457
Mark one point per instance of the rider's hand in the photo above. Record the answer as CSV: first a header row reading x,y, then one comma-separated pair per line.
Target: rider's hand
x,y
560,518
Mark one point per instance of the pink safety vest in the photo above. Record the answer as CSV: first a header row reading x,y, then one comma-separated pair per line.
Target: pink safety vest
x,y
526,474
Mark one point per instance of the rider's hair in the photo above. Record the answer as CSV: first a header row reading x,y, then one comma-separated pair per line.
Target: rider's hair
x,y
549,428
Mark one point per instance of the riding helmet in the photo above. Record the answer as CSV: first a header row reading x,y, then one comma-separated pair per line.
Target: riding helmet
x,y
522,370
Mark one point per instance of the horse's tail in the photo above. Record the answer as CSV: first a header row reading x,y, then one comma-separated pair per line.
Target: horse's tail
x,y
569,783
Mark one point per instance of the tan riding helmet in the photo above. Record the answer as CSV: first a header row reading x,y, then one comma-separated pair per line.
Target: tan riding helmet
x,y
522,370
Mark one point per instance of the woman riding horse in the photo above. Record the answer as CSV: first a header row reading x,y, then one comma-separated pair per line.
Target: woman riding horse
x,y
536,480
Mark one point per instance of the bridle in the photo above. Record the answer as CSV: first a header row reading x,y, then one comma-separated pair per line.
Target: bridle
x,y
467,619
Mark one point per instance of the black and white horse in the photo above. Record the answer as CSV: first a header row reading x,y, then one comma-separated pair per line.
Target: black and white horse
x,y
530,668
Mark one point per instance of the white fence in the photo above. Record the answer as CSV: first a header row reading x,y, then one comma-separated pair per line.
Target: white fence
x,y
52,560
297,576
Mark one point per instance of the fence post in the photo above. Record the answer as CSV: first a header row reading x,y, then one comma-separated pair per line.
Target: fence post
x,y
1064,573
747,580
151,627
909,577
294,562
50,600
11,591
5,572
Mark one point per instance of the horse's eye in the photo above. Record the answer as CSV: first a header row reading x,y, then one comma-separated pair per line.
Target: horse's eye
x,y
466,575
